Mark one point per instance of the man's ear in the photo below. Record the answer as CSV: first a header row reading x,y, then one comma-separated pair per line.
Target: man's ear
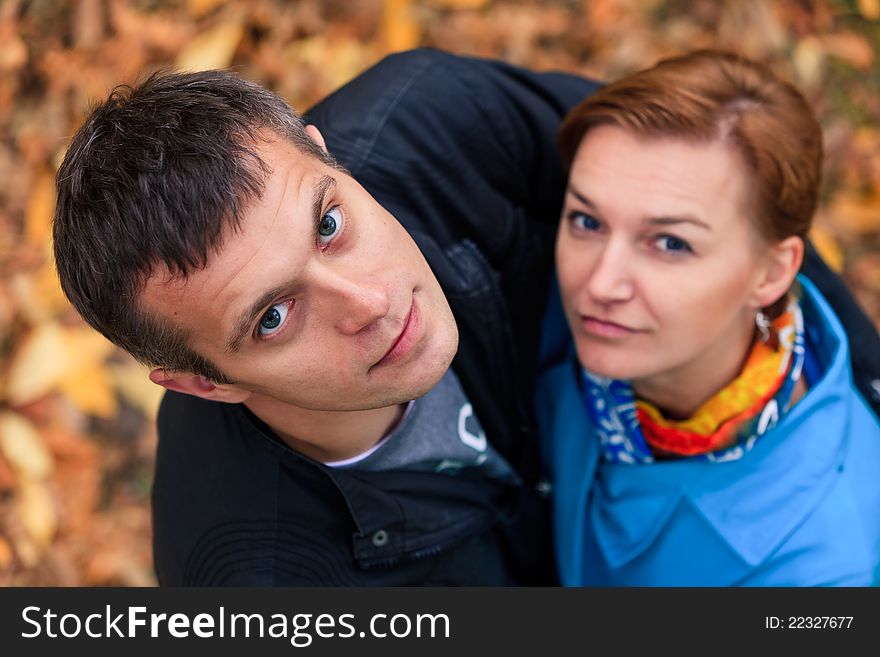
x,y
784,261
198,386
316,136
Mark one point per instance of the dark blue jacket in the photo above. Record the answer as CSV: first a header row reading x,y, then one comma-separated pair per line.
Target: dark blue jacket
x,y
461,152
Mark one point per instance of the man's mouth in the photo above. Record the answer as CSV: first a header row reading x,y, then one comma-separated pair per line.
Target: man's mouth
x,y
406,339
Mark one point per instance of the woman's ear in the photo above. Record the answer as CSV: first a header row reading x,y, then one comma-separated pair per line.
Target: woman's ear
x,y
783,263
198,386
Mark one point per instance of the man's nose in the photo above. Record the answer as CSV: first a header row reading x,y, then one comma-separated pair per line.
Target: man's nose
x,y
355,300
611,279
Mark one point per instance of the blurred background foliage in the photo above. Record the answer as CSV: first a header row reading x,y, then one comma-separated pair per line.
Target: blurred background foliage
x,y
76,430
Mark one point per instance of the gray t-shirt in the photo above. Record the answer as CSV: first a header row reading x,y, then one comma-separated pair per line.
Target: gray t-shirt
x,y
439,432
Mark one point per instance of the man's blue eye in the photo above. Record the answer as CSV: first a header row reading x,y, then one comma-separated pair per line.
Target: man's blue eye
x,y
583,221
273,319
672,244
330,225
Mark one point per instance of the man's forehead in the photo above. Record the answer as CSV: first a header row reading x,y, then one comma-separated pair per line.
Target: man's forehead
x,y
293,197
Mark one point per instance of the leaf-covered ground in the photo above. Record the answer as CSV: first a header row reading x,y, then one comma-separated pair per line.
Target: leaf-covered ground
x,y
76,432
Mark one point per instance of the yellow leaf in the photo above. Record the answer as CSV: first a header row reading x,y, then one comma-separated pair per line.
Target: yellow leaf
x,y
809,61
38,365
853,48
214,48
13,53
828,247
48,355
36,510
86,346
5,554
199,8
89,388
870,9
47,290
38,296
133,383
40,208
399,30
23,447
856,213
459,4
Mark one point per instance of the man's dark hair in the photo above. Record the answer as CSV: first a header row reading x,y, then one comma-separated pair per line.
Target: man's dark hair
x,y
159,174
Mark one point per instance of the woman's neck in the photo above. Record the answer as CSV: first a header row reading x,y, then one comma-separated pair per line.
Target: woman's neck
x,y
680,392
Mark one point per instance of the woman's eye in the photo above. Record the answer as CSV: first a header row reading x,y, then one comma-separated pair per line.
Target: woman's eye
x,y
273,319
330,225
672,244
581,221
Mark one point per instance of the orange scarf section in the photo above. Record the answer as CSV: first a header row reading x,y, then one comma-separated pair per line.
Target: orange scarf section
x,y
715,424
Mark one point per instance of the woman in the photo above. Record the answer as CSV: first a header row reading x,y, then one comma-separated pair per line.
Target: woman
x,y
710,433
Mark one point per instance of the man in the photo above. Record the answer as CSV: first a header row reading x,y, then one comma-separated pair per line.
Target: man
x,y
303,317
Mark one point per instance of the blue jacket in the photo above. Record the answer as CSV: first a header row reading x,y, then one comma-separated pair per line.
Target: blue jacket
x,y
802,508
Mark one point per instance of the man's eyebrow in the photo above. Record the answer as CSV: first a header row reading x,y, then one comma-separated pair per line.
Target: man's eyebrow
x,y
322,187
665,220
242,325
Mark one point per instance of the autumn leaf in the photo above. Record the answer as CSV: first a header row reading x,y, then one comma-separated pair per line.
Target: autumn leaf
x,y
199,8
828,247
870,9
36,511
213,48
51,355
5,554
133,383
23,448
89,388
400,30
40,208
459,4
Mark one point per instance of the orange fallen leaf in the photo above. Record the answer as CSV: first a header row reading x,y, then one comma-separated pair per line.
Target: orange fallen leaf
x,y
213,48
89,388
459,4
38,295
199,8
37,365
88,24
808,60
23,447
36,511
133,383
14,53
828,247
40,208
7,476
851,47
5,554
870,9
399,29
77,478
48,355
856,213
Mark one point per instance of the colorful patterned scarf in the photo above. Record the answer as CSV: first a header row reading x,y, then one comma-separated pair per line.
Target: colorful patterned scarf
x,y
725,427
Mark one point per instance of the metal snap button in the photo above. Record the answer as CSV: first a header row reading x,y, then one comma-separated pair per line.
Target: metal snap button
x,y
380,538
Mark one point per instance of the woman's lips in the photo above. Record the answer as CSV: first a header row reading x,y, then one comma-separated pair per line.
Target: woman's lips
x,y
605,329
